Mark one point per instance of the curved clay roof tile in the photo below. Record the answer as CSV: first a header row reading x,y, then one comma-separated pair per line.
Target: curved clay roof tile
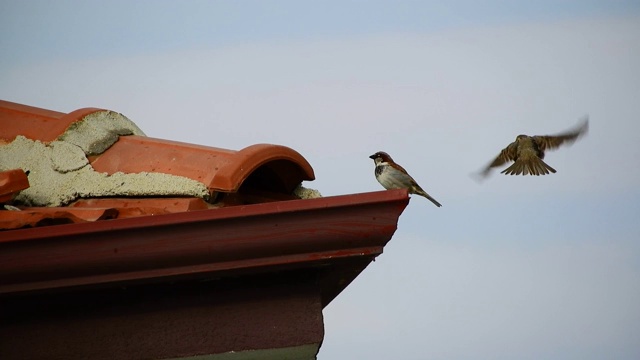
x,y
11,183
219,169
232,175
36,123
269,167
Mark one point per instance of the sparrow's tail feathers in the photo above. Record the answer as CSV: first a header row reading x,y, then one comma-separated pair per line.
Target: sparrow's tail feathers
x,y
531,166
424,193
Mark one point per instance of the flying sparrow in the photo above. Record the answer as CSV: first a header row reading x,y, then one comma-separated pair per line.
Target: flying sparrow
x,y
527,152
392,176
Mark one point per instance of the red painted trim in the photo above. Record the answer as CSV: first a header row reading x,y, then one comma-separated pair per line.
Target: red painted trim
x,y
200,243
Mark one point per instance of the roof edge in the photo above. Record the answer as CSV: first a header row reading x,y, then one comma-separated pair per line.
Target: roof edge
x,y
204,243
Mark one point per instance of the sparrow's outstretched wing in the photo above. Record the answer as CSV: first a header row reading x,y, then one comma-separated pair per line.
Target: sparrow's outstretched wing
x,y
547,142
507,154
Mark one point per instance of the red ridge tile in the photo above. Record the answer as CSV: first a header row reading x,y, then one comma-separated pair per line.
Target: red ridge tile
x,y
219,169
36,123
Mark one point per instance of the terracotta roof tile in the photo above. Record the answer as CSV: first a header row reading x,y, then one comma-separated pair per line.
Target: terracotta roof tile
x,y
36,216
97,209
219,169
128,207
172,205
11,183
36,123
111,157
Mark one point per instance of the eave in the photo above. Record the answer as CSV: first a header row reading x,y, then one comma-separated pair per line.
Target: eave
x,y
339,234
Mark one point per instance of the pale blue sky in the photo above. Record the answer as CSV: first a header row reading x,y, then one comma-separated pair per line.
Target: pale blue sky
x,y
512,268
96,28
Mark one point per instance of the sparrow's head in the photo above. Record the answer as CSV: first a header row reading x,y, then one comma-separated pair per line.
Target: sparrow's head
x,y
380,157
521,136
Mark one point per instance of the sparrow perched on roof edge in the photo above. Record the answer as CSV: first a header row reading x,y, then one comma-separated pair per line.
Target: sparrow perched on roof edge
x,y
527,152
392,176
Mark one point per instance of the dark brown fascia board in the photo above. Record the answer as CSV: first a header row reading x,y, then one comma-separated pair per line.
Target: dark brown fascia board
x,y
201,244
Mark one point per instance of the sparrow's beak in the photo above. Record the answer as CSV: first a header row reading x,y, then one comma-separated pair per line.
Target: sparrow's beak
x,y
372,156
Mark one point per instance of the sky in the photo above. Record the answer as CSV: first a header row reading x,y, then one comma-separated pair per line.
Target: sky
x,y
509,268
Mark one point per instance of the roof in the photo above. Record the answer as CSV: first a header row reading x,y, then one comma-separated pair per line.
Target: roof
x,y
134,209
94,153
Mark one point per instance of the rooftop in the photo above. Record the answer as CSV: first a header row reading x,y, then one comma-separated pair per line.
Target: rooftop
x,y
103,156
89,206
